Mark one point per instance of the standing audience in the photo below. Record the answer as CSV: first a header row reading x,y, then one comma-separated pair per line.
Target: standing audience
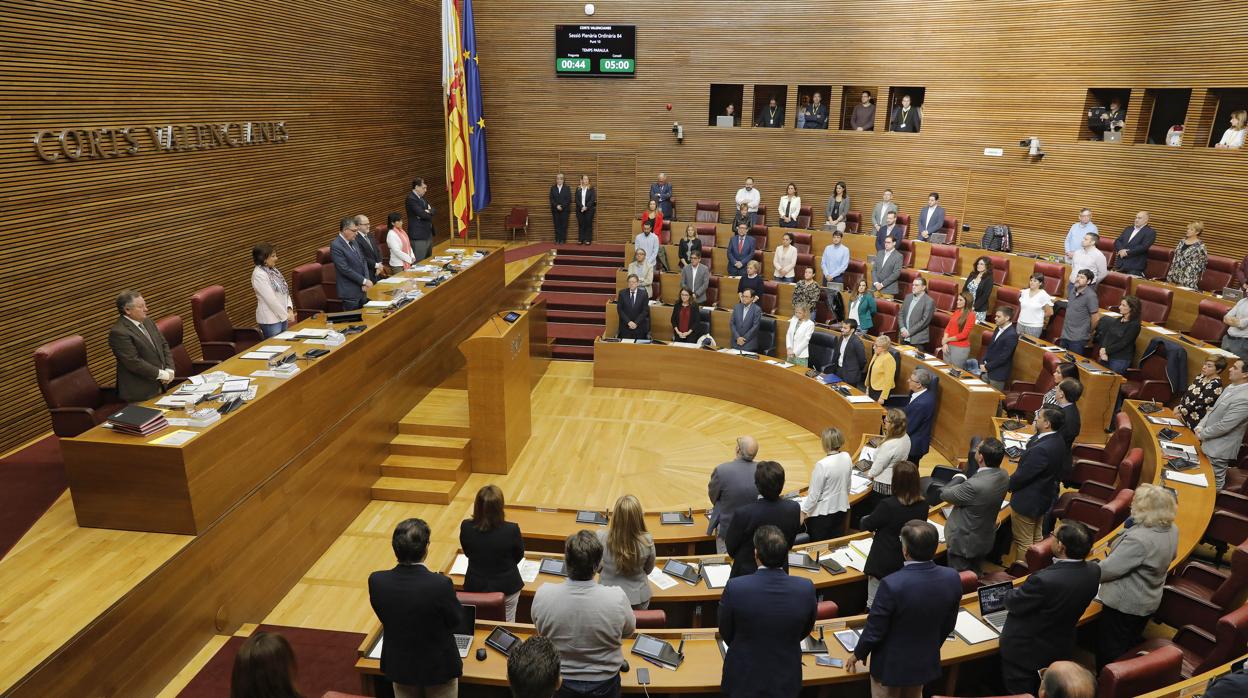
x,y
882,371
1203,392
886,522
979,285
1034,482
920,413
1131,247
769,509
1081,306
1221,431
999,354
971,525
956,342
1190,258
1035,307
686,318
916,315
1236,338
731,487
493,546
627,552
801,327
784,260
826,507
1116,335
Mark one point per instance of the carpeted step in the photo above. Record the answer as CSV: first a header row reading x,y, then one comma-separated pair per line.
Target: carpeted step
x,y
605,289
564,333
577,317
590,250
562,272
572,352
591,260
576,301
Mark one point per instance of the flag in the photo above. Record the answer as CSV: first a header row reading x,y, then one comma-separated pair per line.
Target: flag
x,y
458,165
479,166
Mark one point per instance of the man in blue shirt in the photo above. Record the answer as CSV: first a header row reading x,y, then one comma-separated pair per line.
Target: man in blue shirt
x,y
834,262
1074,238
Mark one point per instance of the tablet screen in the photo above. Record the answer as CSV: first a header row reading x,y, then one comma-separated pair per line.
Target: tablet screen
x,y
502,640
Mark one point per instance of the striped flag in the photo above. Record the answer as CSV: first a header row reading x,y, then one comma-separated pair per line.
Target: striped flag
x,y
458,163
479,163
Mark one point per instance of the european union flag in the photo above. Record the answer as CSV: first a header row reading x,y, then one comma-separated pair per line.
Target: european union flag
x,y
476,114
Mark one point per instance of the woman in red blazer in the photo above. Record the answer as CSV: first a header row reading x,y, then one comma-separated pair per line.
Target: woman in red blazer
x,y
957,341
652,213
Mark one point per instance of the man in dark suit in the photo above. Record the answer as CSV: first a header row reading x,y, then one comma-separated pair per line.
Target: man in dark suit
x,y
905,118
419,220
1068,393
851,357
661,191
633,308
731,487
1044,610
1131,247
746,318
144,361
784,514
353,272
920,413
763,617
740,251
931,218
368,246
419,612
770,116
889,228
586,202
560,207
999,354
914,610
1034,482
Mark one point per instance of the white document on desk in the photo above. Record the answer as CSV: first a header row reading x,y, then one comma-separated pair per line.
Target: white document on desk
x,y
392,280
848,557
717,575
859,399
460,566
972,630
1195,479
940,530
1163,330
858,484
528,570
661,579
377,304
982,388
862,546
287,335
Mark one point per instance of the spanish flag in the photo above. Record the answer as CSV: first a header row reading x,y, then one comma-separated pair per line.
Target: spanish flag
x,y
458,160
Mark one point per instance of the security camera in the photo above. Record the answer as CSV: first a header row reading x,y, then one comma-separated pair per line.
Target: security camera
x,y
1033,146
679,131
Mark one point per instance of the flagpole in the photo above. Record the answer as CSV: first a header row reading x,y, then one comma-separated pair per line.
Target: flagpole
x,y
478,231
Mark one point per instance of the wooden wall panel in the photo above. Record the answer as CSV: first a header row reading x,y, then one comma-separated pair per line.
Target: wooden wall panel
x,y
995,71
357,83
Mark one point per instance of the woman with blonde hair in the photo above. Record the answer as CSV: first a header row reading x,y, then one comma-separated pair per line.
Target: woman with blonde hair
x,y
894,449
752,280
1134,572
627,552
1190,258
1233,137
827,501
881,370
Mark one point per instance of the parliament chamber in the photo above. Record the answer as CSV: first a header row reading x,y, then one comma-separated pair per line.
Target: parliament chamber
x,y
420,322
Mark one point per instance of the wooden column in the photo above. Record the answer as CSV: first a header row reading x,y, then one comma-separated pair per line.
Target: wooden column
x,y
499,382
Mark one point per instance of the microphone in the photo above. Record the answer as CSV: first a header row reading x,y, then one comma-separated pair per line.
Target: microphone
x,y
681,649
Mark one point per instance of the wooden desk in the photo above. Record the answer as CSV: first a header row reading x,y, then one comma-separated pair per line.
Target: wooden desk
x,y
1195,685
1185,308
120,481
966,405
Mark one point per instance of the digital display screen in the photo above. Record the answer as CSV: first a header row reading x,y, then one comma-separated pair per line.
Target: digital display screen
x,y
648,645
596,50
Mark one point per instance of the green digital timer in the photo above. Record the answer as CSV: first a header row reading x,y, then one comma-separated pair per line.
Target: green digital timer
x,y
572,65
615,65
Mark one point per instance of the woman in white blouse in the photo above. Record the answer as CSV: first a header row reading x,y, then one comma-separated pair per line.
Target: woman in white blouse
x,y
801,327
784,260
790,207
274,311
1035,307
643,268
1233,137
399,243
827,502
894,449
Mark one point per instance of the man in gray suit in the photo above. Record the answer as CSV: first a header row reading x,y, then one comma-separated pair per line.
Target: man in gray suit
x,y
882,209
144,361
1222,430
887,268
746,318
972,525
695,277
732,487
916,314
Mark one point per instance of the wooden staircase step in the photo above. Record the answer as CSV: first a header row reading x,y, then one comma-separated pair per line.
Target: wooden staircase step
x,y
424,468
398,489
426,445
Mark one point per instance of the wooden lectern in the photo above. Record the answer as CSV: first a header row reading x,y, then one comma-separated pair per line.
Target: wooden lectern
x,y
499,384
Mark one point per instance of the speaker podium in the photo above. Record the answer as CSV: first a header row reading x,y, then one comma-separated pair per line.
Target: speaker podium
x,y
500,371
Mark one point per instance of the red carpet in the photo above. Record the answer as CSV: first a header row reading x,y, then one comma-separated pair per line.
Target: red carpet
x,y
32,480
519,253
325,661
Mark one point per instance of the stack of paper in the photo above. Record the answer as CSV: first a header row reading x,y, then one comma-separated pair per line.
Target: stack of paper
x,y
782,364
460,566
528,570
392,280
378,304
849,558
859,398
972,630
661,579
1197,479
858,484
175,438
1166,421
862,546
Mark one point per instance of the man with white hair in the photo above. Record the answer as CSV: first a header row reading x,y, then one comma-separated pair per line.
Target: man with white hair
x,y
661,191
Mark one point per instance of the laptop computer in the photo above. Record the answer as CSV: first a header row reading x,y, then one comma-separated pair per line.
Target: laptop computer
x,y
992,604
465,630
723,121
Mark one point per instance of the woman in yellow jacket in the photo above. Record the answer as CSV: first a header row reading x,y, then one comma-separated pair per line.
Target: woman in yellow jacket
x,y
881,370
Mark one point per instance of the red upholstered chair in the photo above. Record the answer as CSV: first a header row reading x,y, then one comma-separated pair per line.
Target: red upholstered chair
x,y
853,222
183,367
803,242
826,610
761,217
943,259
1098,492
970,581
712,291
1199,594
518,219
306,291
1112,289
1208,325
804,261
1148,382
905,281
884,322
329,280
1155,303
907,253
854,273
936,331
705,233
491,605
1007,296
759,233
1053,331
218,338
1000,270
1203,650
803,218
705,211
75,400
1127,678
1038,556
1219,273
950,229
903,219
899,231
1228,527
1106,245
1100,463
1158,265
708,260
985,338
1101,518
771,297
943,292
1027,397
1054,274
650,618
